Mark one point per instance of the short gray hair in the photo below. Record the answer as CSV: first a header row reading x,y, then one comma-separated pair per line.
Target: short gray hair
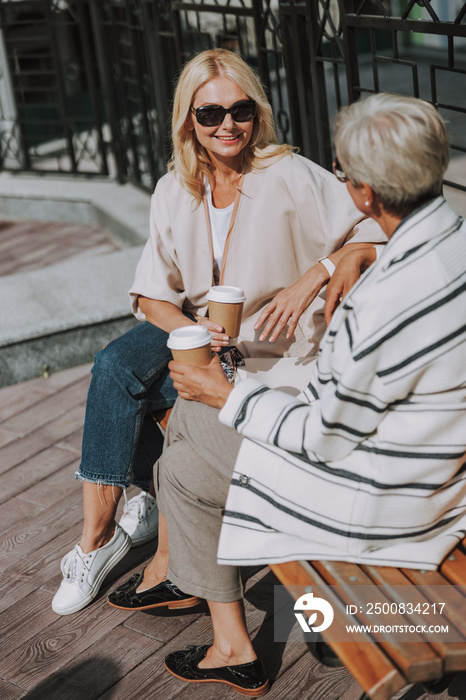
x,y
397,145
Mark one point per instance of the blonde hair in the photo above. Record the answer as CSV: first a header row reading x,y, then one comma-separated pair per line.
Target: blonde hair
x,y
190,160
397,145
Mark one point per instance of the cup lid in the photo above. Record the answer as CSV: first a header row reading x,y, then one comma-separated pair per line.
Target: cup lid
x,y
188,337
226,295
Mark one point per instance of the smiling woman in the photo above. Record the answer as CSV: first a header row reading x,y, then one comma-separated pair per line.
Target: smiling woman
x,y
236,208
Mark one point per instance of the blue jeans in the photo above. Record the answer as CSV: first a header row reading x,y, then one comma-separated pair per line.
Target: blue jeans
x,y
130,379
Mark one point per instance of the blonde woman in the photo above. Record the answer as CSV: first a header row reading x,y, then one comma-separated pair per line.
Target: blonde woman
x,y
236,208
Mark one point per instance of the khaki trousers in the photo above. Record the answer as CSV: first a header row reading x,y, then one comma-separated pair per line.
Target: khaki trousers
x,y
192,478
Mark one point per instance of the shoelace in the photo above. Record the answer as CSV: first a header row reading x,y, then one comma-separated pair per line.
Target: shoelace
x,y
137,507
73,565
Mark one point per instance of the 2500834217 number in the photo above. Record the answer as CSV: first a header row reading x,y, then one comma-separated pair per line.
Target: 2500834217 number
x,y
402,608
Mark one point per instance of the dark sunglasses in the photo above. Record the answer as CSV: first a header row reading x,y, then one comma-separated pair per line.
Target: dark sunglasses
x,y
338,172
213,115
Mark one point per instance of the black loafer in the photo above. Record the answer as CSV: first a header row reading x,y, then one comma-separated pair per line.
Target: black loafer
x,y
247,679
165,594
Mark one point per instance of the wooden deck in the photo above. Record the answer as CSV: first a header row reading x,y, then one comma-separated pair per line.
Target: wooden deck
x,y
102,652
99,652
32,245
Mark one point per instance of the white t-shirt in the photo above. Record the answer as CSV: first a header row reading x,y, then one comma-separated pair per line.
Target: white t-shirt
x,y
219,225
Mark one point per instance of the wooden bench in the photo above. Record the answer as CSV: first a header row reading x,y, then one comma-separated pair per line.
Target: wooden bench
x,y
383,666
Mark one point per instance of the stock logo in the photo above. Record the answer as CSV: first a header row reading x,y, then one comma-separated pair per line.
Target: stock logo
x,y
313,605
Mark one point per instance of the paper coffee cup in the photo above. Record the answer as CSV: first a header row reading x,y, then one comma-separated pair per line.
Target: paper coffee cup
x,y
191,345
226,308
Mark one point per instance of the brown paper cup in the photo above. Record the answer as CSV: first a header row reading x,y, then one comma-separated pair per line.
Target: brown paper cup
x,y
227,315
196,357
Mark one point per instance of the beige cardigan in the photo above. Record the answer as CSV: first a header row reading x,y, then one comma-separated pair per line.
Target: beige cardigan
x,y
285,218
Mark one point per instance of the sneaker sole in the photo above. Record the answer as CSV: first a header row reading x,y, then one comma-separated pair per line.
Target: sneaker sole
x,y
98,582
172,605
255,693
143,540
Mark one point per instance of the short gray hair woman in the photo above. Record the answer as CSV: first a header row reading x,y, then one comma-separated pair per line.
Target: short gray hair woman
x,y
367,464
409,148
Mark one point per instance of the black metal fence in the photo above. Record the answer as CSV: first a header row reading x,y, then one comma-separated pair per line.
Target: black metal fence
x,y
85,85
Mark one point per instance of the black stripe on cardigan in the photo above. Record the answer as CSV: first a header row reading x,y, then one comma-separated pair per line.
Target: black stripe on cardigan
x,y
425,351
328,528
240,418
412,319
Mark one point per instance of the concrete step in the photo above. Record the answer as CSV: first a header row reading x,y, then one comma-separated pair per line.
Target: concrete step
x,y
61,315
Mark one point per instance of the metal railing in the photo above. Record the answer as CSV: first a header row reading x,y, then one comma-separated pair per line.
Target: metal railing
x,y
85,86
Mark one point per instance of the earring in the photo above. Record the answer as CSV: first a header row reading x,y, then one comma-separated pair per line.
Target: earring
x,y
366,204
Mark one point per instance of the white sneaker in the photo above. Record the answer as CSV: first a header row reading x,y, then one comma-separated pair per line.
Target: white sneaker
x,y
83,573
140,518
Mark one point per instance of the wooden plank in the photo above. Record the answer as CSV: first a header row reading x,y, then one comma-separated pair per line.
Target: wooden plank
x,y
8,691
39,440
27,575
452,652
36,614
53,488
72,442
33,245
436,588
59,643
17,397
416,659
18,545
7,436
64,378
15,511
307,679
39,466
50,408
108,660
151,673
454,566
370,667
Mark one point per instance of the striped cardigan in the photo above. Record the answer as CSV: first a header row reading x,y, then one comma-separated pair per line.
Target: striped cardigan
x,y
368,464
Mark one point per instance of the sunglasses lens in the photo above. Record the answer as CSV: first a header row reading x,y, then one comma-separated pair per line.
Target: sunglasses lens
x,y
210,116
244,111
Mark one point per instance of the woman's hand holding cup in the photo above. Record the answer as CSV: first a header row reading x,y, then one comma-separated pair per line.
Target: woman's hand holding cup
x,y
207,384
219,339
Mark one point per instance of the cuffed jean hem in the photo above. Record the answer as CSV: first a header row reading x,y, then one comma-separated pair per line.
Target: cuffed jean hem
x,y
200,591
100,479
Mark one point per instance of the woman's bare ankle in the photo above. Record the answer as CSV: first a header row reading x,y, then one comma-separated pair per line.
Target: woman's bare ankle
x,y
217,657
89,542
154,573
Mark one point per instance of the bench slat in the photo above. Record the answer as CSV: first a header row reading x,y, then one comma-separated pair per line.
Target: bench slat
x,y
452,653
370,667
416,659
454,566
438,589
